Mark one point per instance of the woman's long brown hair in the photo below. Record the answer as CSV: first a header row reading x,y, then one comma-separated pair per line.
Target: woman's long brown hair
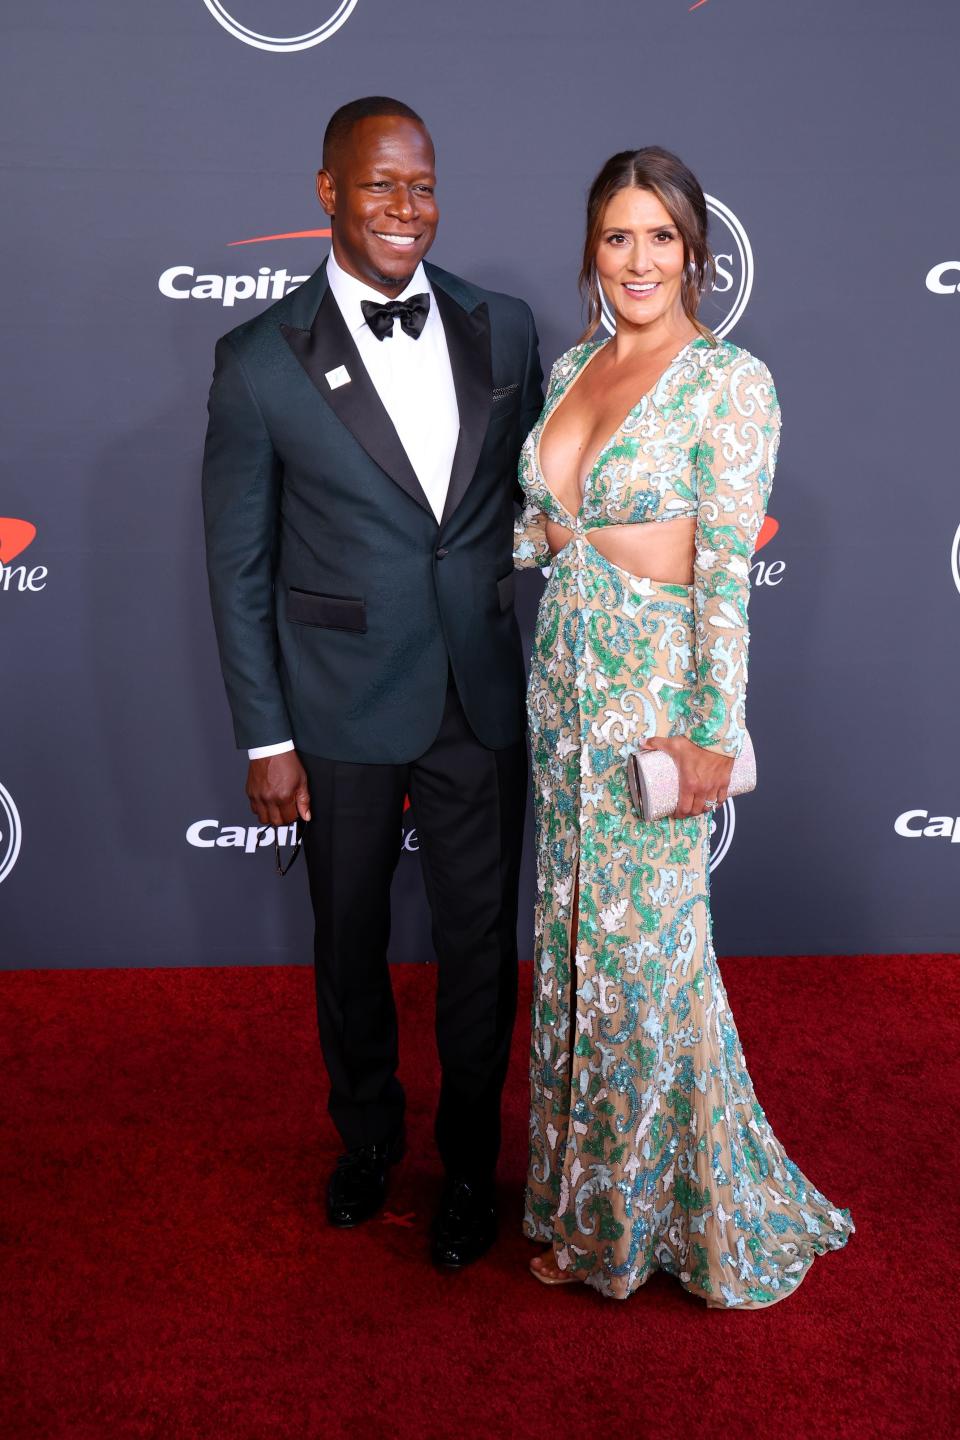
x,y
678,190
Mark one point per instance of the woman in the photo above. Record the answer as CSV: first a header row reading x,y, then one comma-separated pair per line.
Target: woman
x,y
646,481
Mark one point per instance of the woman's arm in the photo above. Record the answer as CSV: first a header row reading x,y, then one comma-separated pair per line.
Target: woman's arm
x,y
735,464
530,548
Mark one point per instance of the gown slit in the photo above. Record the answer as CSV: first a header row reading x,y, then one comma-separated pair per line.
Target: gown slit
x,y
571,989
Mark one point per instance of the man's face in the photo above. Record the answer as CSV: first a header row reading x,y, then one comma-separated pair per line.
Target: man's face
x,y
380,193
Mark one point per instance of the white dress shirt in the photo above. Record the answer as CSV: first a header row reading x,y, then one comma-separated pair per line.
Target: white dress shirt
x,y
415,383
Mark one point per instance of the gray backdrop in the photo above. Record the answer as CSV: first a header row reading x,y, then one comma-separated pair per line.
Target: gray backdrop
x,y
147,139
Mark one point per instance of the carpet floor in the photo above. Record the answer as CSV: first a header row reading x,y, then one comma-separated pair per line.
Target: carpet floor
x,y
168,1274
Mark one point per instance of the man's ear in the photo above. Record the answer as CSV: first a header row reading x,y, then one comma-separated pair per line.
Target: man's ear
x,y
327,191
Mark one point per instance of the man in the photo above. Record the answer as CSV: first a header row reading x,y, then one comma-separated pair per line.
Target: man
x,y
358,482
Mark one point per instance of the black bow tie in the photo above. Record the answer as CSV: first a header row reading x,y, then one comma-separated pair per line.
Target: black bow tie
x,y
411,313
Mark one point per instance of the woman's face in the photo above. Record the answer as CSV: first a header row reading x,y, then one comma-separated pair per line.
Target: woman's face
x,y
640,259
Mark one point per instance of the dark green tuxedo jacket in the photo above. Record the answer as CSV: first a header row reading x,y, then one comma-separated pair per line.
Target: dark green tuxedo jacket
x,y
339,601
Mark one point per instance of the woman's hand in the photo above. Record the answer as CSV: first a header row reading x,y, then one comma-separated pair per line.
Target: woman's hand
x,y
704,774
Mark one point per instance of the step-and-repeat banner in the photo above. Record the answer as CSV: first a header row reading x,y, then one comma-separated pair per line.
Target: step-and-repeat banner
x,y
160,189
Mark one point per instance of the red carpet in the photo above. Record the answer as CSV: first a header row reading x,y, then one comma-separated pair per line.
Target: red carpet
x,y
167,1271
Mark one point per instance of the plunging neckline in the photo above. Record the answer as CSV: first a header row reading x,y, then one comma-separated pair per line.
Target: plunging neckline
x,y
609,442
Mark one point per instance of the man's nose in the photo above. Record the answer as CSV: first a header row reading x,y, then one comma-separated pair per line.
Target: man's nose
x,y
403,204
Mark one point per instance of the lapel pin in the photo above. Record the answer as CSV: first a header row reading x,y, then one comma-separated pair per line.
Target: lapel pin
x,y
338,377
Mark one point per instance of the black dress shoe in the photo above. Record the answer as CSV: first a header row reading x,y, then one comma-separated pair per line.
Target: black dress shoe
x,y
358,1186
465,1225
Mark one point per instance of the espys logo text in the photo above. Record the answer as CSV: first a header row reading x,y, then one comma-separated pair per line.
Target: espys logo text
x,y
15,536
181,282
283,43
10,833
944,279
920,824
724,306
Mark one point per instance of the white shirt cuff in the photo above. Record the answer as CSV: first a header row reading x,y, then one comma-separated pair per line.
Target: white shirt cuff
x,y
262,751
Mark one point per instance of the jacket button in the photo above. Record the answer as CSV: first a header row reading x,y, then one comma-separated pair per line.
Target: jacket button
x,y
442,553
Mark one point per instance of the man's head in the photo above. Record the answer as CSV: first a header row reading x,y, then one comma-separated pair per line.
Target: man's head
x,y
377,185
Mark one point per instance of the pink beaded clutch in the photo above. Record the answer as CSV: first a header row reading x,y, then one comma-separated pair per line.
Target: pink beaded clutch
x,y
655,781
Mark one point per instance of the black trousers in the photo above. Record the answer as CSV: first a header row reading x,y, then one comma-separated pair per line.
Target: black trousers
x,y
468,802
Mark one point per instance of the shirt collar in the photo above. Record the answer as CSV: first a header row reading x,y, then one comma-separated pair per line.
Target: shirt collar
x,y
348,291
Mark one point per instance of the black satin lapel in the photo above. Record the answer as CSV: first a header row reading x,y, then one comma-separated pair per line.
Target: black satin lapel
x,y
326,346
468,345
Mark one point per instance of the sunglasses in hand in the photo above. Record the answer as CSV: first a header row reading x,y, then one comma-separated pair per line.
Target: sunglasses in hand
x,y
278,859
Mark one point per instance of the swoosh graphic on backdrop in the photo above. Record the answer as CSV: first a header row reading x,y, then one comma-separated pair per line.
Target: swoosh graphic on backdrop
x,y
768,529
15,536
289,235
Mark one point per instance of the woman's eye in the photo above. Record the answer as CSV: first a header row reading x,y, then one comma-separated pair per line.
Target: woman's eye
x,y
665,235
615,239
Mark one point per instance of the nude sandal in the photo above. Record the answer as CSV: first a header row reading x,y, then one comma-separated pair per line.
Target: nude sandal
x,y
559,1278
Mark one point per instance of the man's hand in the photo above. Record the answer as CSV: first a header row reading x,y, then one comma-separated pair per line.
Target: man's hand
x,y
277,789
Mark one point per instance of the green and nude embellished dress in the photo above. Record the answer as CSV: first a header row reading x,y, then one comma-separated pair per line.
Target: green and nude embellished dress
x,y
648,1148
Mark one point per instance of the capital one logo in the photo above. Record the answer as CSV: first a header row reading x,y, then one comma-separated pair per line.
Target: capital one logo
x,y
10,833
918,824
210,835
283,43
409,839
731,248
767,572
944,279
181,282
15,537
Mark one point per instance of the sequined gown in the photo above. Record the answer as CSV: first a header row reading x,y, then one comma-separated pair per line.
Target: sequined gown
x,y
648,1148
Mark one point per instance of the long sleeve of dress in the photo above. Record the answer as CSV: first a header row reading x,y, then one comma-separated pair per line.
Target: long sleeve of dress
x,y
735,463
530,548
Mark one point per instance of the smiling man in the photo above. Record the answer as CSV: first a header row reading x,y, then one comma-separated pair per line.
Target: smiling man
x,y
358,480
